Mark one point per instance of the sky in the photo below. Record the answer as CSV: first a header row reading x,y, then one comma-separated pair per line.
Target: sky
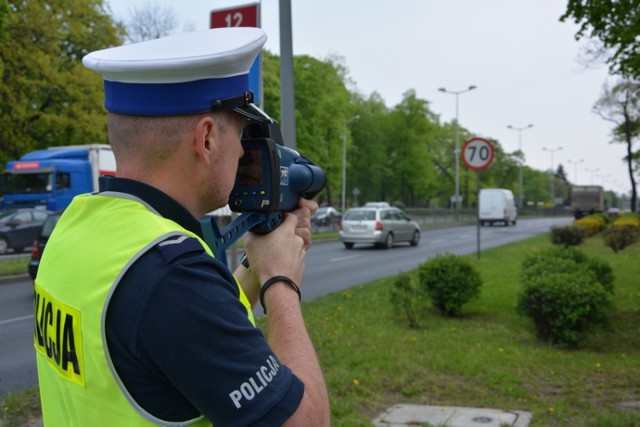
x,y
521,58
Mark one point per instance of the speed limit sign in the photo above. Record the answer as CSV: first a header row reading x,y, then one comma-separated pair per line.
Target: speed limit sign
x,y
477,153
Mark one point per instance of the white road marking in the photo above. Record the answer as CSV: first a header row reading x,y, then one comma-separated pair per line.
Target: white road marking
x,y
345,258
16,319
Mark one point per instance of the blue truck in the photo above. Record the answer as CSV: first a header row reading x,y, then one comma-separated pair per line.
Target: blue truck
x,y
51,178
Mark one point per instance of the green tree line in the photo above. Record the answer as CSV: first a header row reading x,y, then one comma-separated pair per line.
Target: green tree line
x,y
403,154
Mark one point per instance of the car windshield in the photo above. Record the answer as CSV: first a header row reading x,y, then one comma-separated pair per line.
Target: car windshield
x,y
49,224
37,182
360,215
322,210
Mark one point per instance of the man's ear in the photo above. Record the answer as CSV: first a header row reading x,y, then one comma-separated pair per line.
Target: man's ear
x,y
204,141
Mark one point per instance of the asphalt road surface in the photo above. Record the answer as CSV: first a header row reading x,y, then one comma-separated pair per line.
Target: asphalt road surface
x,y
330,267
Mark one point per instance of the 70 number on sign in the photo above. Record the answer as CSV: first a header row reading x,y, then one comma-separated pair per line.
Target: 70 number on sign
x,y
477,153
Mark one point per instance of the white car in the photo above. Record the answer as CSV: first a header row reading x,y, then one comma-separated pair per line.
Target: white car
x,y
380,226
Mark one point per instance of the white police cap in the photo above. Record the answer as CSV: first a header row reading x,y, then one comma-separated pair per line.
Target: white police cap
x,y
182,74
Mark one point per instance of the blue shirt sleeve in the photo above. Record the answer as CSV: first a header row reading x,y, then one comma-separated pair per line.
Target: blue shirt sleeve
x,y
183,345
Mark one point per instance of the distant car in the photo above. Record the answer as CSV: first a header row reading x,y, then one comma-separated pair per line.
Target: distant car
x,y
613,212
380,226
325,215
40,242
377,205
19,228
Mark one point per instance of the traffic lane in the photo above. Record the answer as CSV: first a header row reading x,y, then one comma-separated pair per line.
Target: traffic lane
x,y
17,355
16,298
332,268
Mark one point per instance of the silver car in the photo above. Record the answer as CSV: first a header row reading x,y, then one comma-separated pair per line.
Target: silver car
x,y
381,226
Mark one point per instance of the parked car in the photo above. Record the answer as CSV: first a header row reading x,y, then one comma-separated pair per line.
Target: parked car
x,y
326,215
613,212
377,205
40,242
381,226
18,228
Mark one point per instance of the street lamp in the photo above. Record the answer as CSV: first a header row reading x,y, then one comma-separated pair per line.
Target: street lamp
x,y
456,155
592,171
520,129
344,162
552,150
575,164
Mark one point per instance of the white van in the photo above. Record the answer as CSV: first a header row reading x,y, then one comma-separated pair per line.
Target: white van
x,y
497,205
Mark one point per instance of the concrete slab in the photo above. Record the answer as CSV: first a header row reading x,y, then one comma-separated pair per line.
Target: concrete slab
x,y
404,415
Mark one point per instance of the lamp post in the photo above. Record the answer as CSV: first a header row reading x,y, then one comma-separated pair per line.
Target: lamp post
x,y
575,164
553,196
344,162
456,152
520,129
592,171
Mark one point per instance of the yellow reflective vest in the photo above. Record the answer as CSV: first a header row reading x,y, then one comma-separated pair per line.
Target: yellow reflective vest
x,y
96,240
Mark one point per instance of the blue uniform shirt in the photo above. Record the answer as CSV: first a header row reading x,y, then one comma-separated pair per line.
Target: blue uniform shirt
x,y
180,339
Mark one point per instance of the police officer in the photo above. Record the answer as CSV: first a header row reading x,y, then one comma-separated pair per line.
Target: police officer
x,y
137,323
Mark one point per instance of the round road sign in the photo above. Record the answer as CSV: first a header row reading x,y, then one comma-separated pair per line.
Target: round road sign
x,y
477,153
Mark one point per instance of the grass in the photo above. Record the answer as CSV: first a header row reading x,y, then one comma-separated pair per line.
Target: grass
x,y
14,266
488,357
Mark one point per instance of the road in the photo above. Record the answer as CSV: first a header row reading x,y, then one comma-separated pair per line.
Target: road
x,y
330,268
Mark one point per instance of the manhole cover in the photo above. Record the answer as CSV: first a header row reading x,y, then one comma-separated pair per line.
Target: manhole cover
x,y
482,420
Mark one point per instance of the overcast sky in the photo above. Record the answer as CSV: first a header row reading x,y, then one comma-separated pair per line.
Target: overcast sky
x,y
522,59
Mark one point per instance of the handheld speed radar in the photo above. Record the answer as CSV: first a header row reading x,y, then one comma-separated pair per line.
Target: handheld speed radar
x,y
271,179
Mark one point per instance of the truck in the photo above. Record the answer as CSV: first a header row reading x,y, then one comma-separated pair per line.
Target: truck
x,y
50,178
586,200
497,205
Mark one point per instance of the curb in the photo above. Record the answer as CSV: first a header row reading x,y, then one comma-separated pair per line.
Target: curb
x,y
5,280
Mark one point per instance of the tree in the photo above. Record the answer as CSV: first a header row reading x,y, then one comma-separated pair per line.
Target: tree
x,y
150,21
408,149
47,97
616,24
368,166
4,12
621,106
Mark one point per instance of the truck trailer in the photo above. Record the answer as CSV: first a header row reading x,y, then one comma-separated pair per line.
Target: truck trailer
x,y
51,178
586,200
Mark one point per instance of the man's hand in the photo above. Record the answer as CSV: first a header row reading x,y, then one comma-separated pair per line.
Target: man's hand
x,y
282,251
305,209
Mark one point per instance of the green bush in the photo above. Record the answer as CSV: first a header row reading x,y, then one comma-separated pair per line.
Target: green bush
x,y
552,260
564,306
567,235
450,282
593,224
629,218
619,237
406,299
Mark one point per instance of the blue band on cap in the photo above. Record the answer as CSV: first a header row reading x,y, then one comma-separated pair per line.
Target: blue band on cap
x,y
164,99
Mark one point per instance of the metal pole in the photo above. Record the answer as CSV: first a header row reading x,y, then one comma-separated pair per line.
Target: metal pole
x,y
287,92
457,156
520,181
457,149
478,215
553,189
344,169
344,162
575,168
592,171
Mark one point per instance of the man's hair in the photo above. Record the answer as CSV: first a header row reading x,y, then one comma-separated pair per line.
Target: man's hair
x,y
153,139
